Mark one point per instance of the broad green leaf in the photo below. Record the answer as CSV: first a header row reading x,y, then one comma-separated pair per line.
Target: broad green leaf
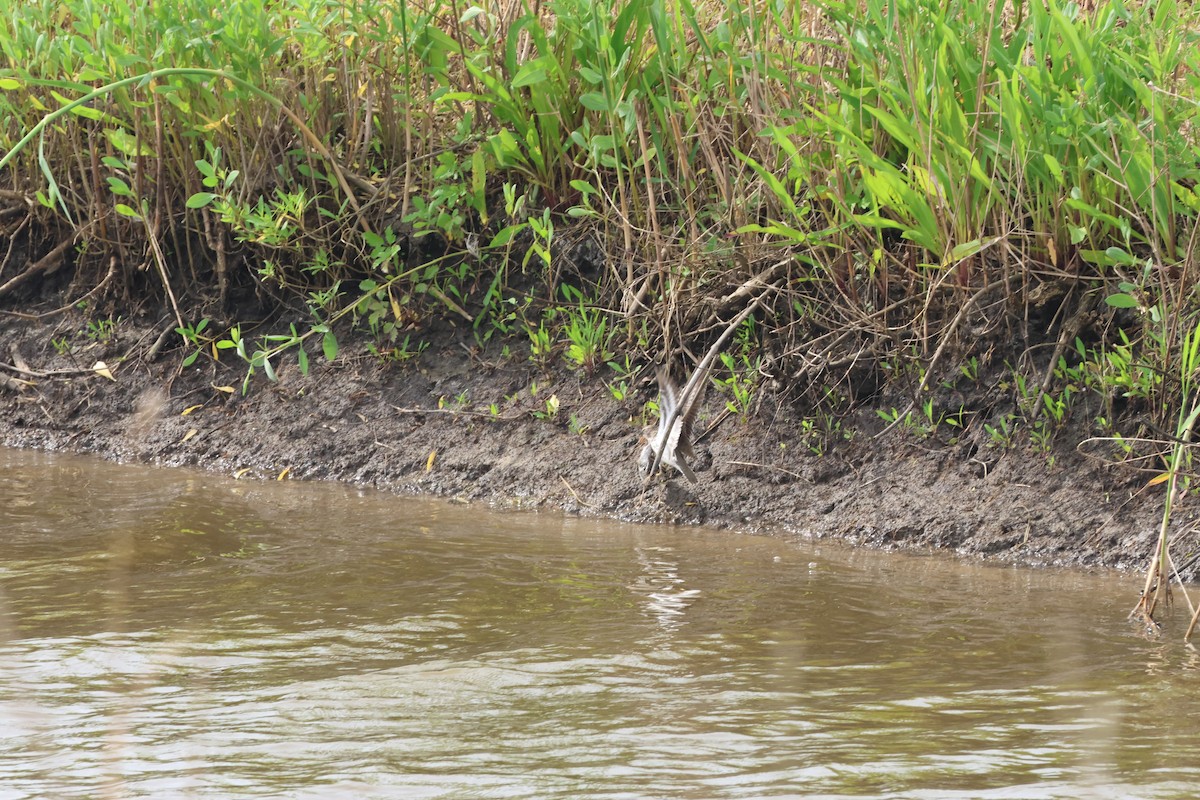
x,y
329,345
506,235
530,74
1119,256
199,199
1121,300
119,187
127,144
1055,168
593,101
966,249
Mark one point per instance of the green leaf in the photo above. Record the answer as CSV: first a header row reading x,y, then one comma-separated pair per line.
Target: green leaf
x,y
529,74
506,234
329,345
966,249
130,145
1055,168
302,357
8,84
1121,301
125,210
593,101
1119,256
199,199
119,187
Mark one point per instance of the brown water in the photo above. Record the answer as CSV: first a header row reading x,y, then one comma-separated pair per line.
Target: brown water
x,y
172,634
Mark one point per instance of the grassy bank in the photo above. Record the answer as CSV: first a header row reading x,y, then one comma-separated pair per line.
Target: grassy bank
x,y
933,197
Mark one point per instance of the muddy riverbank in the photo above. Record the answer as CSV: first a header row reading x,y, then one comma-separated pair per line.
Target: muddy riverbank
x,y
470,423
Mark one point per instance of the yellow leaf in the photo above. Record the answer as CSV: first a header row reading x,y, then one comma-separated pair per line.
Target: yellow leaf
x,y
242,472
429,461
225,389
283,475
188,435
216,123
1157,479
101,369
190,409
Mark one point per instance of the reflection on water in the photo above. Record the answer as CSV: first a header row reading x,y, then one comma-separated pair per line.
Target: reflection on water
x,y
171,634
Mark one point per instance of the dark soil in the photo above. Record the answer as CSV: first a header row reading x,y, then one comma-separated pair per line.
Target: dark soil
x,y
425,426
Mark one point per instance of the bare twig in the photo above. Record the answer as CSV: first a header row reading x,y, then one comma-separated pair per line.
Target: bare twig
x,y
578,499
766,466
47,263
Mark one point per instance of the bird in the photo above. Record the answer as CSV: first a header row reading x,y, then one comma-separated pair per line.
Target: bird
x,y
671,443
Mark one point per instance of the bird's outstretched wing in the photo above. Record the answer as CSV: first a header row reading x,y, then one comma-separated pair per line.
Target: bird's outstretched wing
x,y
684,407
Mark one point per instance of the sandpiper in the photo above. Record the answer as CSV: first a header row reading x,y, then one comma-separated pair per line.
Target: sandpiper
x,y
673,444
672,441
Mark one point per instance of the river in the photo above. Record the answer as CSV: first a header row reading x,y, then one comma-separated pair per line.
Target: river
x,y
175,634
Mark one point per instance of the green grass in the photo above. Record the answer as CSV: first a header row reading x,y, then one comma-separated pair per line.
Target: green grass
x,y
904,173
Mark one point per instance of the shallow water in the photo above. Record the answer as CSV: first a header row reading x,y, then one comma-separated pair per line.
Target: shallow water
x,y
170,634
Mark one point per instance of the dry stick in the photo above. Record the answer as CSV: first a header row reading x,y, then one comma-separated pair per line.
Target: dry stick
x,y
1182,588
112,270
579,499
18,359
766,466
44,264
1070,330
12,237
14,384
651,205
54,373
460,412
763,278
703,365
152,353
161,262
1146,605
1191,625
903,415
946,337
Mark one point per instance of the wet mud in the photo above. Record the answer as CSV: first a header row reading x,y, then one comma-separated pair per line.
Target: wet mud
x,y
466,423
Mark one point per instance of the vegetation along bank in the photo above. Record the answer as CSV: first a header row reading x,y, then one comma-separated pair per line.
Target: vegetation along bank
x,y
440,247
